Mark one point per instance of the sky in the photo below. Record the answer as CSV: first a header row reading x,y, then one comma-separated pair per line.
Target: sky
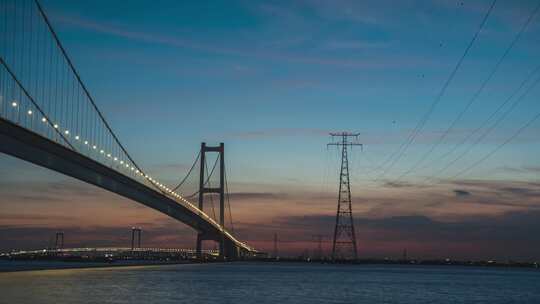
x,y
271,80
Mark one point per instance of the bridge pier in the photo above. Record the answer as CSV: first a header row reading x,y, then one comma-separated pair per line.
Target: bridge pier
x,y
228,249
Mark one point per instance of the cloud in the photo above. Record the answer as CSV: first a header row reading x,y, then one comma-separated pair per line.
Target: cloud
x,y
483,236
522,192
44,191
31,217
400,184
514,190
522,170
278,132
335,45
461,193
245,52
242,196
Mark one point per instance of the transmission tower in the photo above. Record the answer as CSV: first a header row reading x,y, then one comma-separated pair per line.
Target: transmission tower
x,y
344,243
276,246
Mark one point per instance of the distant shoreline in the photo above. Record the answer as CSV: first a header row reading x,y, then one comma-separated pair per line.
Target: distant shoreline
x,y
11,266
7,266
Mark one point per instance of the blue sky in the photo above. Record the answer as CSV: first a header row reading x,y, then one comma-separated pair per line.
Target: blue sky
x,y
223,71
271,79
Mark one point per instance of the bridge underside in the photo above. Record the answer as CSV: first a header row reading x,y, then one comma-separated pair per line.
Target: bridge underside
x,y
31,147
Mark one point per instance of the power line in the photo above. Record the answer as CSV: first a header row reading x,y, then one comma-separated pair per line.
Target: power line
x,y
403,148
499,120
475,96
516,134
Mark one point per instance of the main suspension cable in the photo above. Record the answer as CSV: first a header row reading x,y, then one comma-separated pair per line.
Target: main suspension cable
x,y
189,172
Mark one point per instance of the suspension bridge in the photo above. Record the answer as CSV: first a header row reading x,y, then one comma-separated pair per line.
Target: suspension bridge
x,y
48,117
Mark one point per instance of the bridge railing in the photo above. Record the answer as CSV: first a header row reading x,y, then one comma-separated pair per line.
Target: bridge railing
x,y
40,90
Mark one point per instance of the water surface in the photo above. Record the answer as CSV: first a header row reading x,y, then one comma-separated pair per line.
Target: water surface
x,y
273,283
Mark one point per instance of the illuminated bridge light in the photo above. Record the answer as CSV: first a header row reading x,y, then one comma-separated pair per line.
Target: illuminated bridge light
x,y
66,132
94,147
77,137
115,159
101,151
121,162
86,142
56,126
14,104
29,112
44,119
109,155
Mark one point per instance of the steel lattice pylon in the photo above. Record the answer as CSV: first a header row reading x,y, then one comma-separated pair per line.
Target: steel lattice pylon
x,y
344,243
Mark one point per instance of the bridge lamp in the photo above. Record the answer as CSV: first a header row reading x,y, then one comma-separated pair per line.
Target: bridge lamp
x,y
14,104
101,151
86,142
77,137
127,166
121,162
132,168
94,147
55,126
109,155
67,132
115,159
44,119
29,112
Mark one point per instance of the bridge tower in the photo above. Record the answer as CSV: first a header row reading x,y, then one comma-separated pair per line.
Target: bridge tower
x,y
135,235
203,189
59,242
344,235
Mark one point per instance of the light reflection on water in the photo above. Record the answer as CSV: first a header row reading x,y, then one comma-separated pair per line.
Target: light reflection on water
x,y
272,283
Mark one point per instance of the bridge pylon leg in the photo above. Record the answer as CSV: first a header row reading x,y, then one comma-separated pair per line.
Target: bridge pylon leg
x,y
199,246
